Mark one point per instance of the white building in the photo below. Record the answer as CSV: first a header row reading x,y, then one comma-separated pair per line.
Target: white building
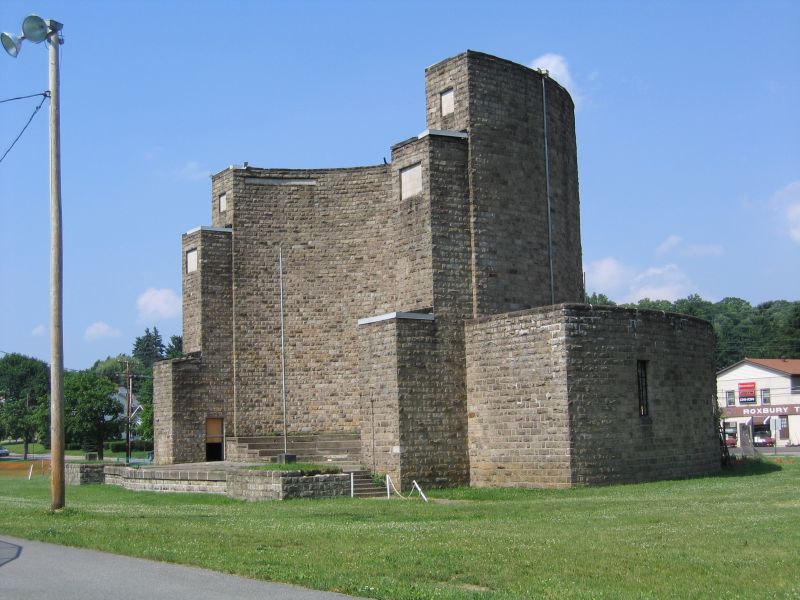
x,y
759,398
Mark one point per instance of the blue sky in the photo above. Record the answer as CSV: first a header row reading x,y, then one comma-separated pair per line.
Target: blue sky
x,y
687,126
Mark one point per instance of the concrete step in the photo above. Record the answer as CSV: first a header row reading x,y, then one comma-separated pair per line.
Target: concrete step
x,y
341,449
334,456
278,440
319,445
364,486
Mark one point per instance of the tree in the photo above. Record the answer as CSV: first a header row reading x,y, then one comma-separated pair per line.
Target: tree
x,y
694,305
769,330
114,368
175,347
145,427
599,299
149,347
24,384
92,412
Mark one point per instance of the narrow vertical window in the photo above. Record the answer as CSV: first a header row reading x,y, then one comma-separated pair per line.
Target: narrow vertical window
x,y
765,396
447,102
641,378
191,261
730,398
223,202
410,181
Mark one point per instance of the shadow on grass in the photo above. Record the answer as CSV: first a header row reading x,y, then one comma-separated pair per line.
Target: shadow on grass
x,y
746,467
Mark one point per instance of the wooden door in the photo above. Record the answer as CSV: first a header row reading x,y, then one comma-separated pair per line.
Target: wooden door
x,y
215,439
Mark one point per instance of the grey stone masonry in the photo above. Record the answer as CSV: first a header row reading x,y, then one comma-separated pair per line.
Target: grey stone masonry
x,y
197,480
82,474
286,485
179,411
475,224
554,397
241,483
502,106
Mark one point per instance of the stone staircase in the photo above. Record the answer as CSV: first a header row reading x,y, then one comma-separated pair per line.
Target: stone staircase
x,y
364,487
341,449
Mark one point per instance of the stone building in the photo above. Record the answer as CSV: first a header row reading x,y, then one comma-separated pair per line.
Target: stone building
x,y
432,311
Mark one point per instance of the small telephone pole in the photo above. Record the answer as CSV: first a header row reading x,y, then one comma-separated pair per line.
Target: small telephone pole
x,y
129,380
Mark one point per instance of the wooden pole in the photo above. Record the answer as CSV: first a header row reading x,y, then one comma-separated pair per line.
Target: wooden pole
x,y
57,475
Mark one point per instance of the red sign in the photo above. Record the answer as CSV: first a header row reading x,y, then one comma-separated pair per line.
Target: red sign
x,y
747,390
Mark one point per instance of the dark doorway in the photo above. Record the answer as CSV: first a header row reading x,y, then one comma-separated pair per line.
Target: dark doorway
x,y
214,440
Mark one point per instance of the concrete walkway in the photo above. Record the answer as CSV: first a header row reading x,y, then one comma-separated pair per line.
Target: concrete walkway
x,y
37,571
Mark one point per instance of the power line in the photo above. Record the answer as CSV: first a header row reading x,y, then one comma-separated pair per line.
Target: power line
x,y
45,95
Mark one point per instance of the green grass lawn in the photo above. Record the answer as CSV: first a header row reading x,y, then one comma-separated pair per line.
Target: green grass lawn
x,y
36,448
19,447
732,536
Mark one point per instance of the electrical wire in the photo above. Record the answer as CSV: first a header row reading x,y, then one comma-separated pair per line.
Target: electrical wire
x,y
45,95
24,97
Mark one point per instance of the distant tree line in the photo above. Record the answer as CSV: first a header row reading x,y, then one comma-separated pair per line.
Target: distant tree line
x,y
767,330
94,410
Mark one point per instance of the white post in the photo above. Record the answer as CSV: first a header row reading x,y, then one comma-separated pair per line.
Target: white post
x,y
388,491
352,485
774,423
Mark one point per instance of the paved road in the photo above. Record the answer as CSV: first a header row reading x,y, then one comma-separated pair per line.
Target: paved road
x,y
37,571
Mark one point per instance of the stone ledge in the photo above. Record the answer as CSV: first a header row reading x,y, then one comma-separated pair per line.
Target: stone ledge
x,y
83,474
243,484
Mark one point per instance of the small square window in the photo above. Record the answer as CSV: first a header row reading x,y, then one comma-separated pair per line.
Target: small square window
x,y
223,202
730,398
765,396
410,181
448,102
191,261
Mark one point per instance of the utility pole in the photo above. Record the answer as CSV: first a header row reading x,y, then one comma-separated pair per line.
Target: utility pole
x,y
129,379
36,30
56,283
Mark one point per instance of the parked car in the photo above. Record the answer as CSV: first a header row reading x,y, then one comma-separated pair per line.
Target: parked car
x,y
4,451
763,440
730,441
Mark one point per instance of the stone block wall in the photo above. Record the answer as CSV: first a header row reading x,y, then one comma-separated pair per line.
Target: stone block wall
x,y
190,390
500,104
412,229
286,485
83,474
611,442
553,397
518,408
413,414
179,411
333,226
378,384
167,480
431,405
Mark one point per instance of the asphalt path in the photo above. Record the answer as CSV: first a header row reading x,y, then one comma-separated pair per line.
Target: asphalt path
x,y
38,571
